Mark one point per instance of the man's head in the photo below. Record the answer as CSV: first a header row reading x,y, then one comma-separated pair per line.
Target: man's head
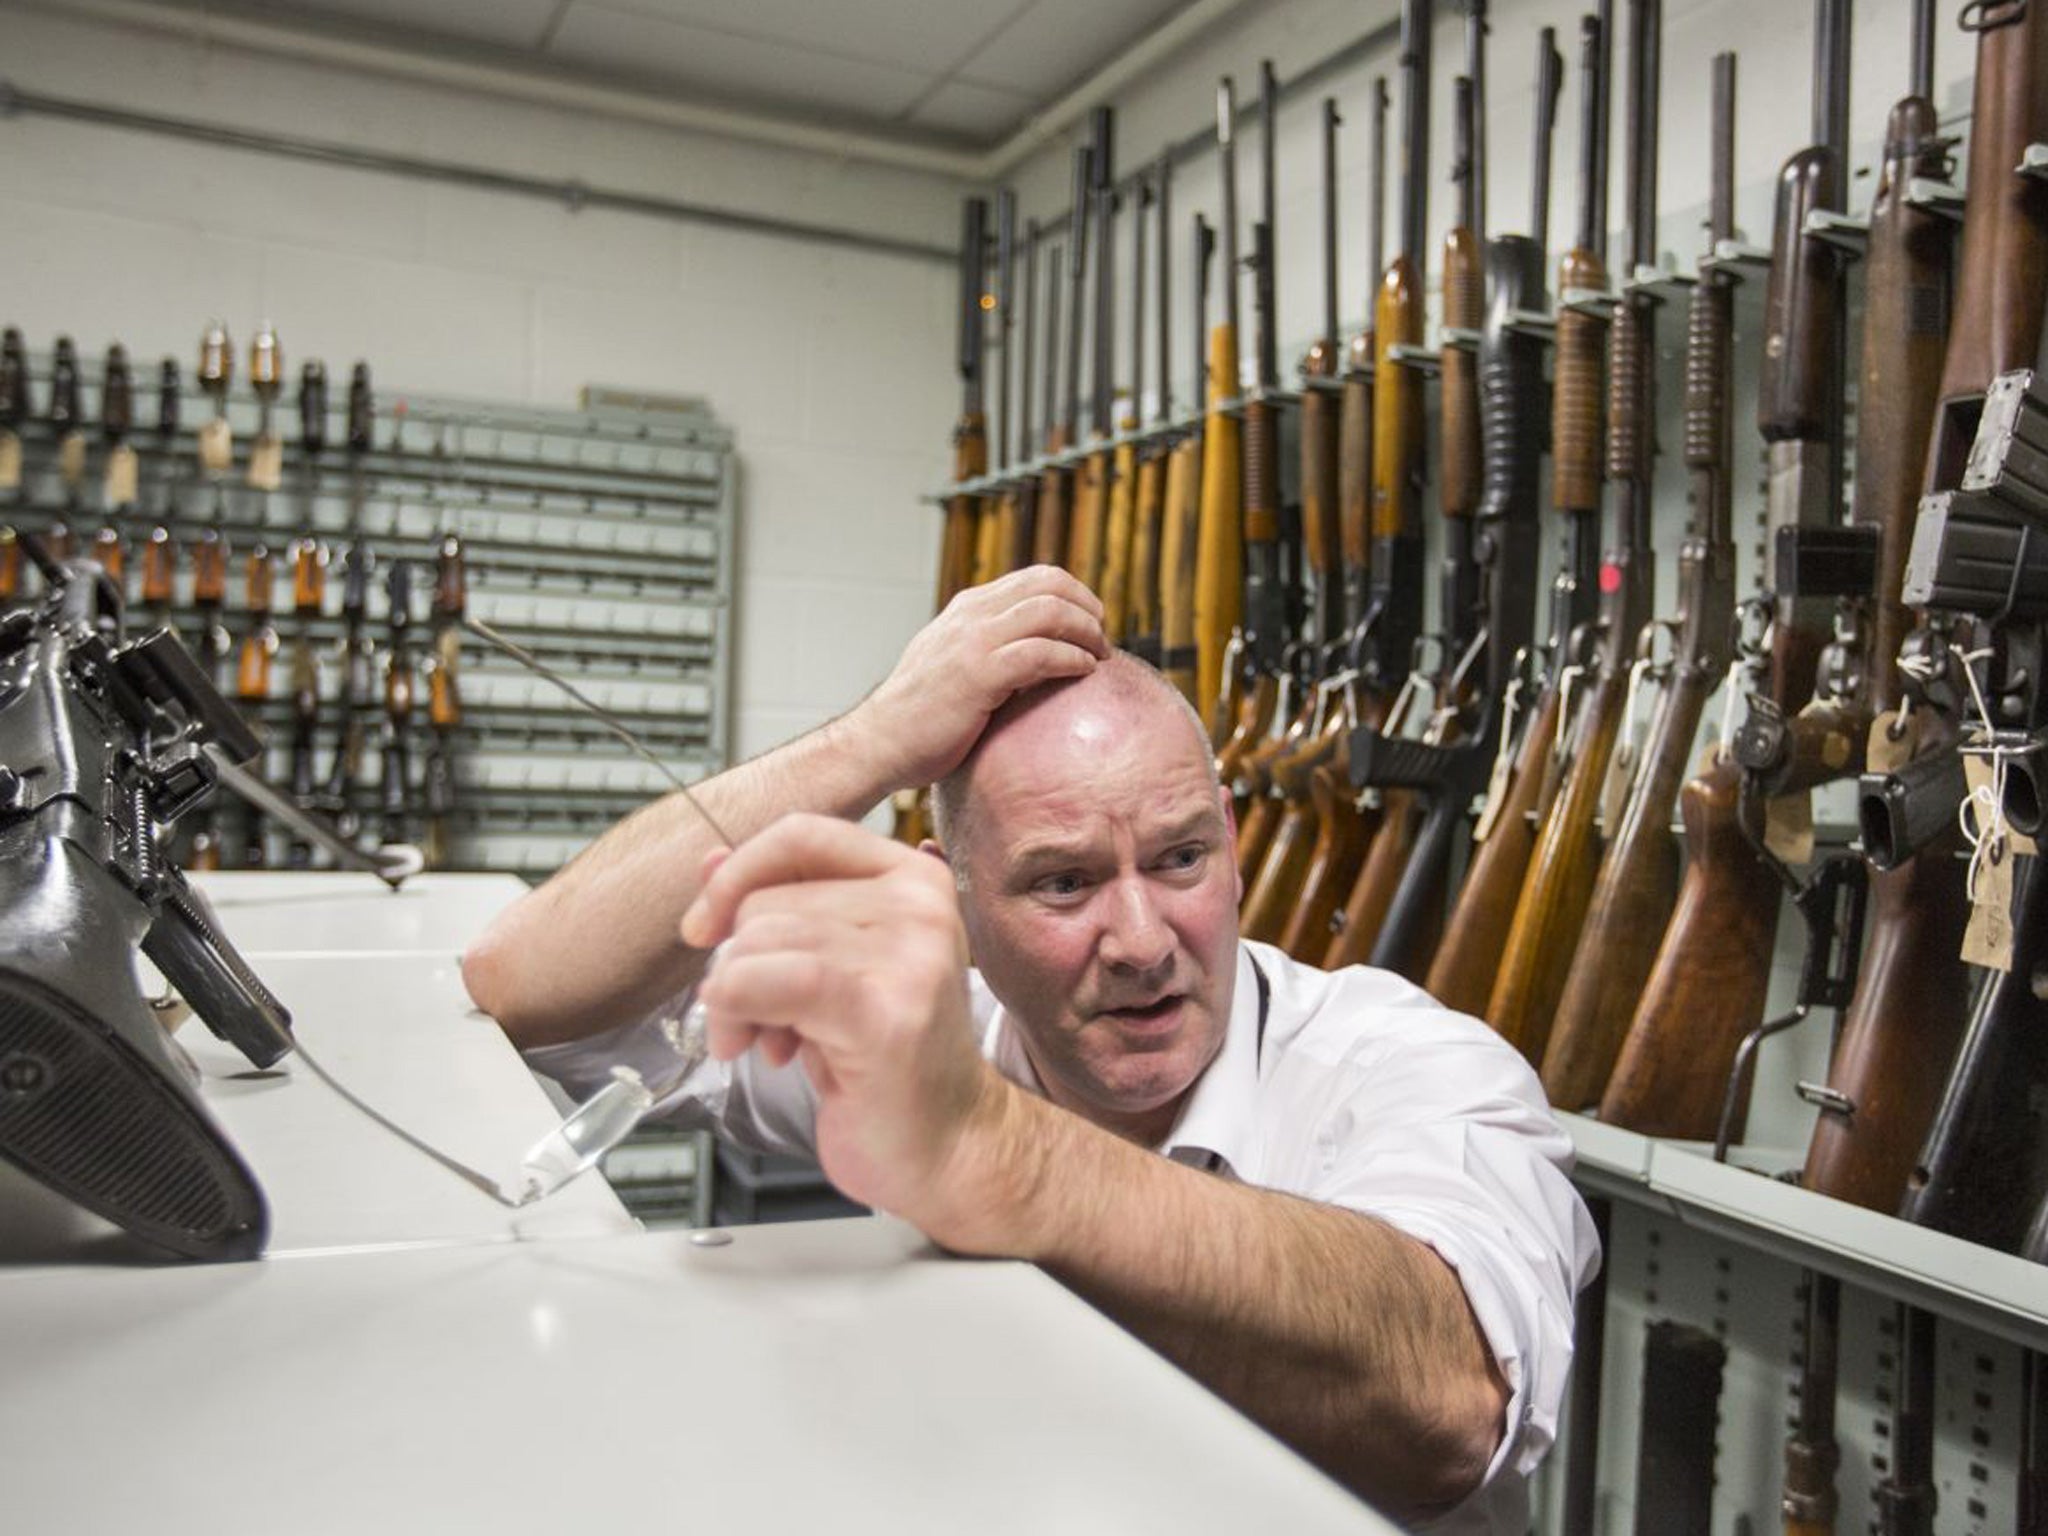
x,y
1093,848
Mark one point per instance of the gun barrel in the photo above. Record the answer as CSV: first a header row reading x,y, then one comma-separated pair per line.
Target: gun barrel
x,y
1006,298
1376,224
1417,16
1163,193
1226,147
1331,122
973,250
1475,73
1077,268
1549,81
1921,76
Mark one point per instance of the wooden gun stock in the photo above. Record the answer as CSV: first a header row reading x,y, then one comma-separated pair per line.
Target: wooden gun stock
x,y
1087,531
1578,402
1118,530
1055,489
1148,532
1270,903
1467,960
956,547
1343,832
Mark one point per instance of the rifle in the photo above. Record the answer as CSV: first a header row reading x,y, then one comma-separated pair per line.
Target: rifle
x,y
970,433
1908,1013
1445,777
1122,556
1219,536
1468,957
13,411
1906,1498
1812,1456
1143,618
395,787
160,553
106,742
1393,618
995,531
1180,528
117,479
1559,885
209,596
1460,453
1292,806
1020,509
266,380
1682,1371
309,595
252,672
1638,883
444,699
1091,482
67,425
1063,423
1674,1072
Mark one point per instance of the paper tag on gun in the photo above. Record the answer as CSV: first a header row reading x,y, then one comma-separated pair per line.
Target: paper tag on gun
x,y
71,459
1977,776
266,463
216,446
1893,738
1988,939
10,461
121,476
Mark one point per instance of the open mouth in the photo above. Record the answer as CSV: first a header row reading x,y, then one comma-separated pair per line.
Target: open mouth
x,y
1148,1013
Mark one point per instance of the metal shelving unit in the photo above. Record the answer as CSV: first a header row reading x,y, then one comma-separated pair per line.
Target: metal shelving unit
x,y
602,540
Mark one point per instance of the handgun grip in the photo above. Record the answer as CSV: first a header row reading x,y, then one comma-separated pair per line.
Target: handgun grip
x,y
210,974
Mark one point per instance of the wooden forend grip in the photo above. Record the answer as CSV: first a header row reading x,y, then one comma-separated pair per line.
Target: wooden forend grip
x,y
1219,538
1559,887
1461,976
1397,407
1091,513
1148,531
1578,437
1459,463
1117,530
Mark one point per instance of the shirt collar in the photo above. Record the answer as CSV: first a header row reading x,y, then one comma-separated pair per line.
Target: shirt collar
x,y
1214,1130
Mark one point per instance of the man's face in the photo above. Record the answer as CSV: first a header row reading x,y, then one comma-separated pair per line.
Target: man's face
x,y
1101,898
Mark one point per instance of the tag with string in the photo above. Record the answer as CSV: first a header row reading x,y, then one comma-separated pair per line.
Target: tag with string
x,y
10,462
71,460
1988,940
266,463
1788,827
1894,737
216,446
121,476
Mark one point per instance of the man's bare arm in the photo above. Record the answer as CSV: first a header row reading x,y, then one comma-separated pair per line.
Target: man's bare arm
x,y
1349,1340
596,946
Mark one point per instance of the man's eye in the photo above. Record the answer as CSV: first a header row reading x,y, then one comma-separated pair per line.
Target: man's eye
x,y
1061,886
1186,858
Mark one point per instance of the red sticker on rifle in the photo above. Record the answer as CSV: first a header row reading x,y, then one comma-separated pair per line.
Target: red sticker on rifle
x,y
1610,577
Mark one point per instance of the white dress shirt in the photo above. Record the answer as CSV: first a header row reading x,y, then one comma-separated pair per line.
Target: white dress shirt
x,y
1356,1089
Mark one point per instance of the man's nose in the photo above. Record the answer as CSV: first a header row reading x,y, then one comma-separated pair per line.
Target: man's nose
x,y
1135,935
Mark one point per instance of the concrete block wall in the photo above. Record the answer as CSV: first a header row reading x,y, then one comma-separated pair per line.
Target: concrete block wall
x,y
832,365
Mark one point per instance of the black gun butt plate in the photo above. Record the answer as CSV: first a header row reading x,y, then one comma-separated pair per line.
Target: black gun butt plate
x,y
86,1113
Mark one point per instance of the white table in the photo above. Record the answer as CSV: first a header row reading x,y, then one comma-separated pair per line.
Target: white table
x,y
412,1356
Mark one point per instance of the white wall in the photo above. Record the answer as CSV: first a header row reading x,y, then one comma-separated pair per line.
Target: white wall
x,y
833,366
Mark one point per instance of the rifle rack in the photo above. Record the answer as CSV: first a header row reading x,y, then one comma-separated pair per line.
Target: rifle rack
x,y
1427,361
2034,162
1590,301
1847,232
1735,258
1942,197
1534,322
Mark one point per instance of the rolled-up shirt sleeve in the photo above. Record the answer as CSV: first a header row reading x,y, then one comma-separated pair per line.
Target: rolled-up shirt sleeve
x,y
1445,1136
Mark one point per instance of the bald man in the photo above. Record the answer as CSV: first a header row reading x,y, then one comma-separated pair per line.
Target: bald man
x,y
1361,1231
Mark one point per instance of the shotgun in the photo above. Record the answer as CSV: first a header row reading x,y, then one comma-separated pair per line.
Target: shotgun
x,y
1148,495
444,695
970,433
1559,886
13,411
1468,957
394,789
1393,617
1446,778
1180,530
1056,489
1219,535
1336,446
1121,577
1087,534
160,552
1812,1456
1638,883
209,595
1903,1028
1459,451
996,527
1019,508
67,425
118,478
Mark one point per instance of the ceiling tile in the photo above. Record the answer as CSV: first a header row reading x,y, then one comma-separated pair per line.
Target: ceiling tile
x,y
979,112
911,34
509,23
632,45
1057,44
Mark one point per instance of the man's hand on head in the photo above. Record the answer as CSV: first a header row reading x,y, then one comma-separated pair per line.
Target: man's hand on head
x,y
846,950
991,641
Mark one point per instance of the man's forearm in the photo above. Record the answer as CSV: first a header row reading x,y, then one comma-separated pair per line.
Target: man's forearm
x,y
1349,1340
597,945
